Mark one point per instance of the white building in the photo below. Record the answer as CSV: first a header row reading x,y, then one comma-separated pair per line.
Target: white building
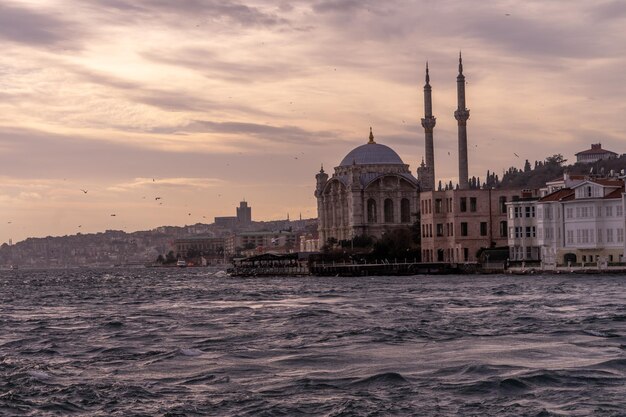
x,y
522,228
594,154
593,222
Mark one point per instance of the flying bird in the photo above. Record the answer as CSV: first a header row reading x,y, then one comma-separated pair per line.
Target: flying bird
x,y
112,215
157,198
84,191
515,154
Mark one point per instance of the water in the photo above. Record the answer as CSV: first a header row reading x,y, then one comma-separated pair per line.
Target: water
x,y
182,343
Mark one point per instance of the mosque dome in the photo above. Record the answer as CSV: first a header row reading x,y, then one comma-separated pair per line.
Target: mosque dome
x,y
371,153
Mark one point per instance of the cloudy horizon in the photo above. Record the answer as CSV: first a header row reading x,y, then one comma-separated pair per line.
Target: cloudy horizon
x,y
205,102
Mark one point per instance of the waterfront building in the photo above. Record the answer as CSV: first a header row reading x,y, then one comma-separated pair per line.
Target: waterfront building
x,y
456,224
593,222
371,192
522,228
594,154
582,222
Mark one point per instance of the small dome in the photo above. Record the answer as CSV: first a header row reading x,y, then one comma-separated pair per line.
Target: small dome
x,y
372,154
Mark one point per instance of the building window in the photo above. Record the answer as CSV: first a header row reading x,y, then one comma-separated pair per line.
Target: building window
x,y
483,228
528,231
463,229
405,210
510,212
620,211
609,235
463,204
569,213
502,205
465,254
371,210
609,211
503,228
439,229
620,235
570,237
388,210
527,211
438,205
588,191
472,204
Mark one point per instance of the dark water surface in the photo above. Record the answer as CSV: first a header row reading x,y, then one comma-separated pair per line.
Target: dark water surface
x,y
183,343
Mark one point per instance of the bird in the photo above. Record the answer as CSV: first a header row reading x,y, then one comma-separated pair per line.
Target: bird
x,y
448,152
515,154
112,215
152,179
80,225
507,14
157,198
9,222
84,191
189,214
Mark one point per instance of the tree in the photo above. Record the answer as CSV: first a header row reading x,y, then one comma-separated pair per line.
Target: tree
x,y
527,167
160,259
556,159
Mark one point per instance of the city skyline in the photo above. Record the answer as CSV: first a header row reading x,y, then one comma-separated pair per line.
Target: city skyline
x,y
132,115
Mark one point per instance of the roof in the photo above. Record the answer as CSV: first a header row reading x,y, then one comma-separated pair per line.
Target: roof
x,y
372,154
614,194
558,195
594,152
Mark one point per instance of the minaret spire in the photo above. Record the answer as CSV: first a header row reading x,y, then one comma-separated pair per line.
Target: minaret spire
x,y
371,136
461,115
427,181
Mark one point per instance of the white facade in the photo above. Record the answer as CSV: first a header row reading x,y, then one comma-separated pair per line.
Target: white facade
x,y
593,222
522,230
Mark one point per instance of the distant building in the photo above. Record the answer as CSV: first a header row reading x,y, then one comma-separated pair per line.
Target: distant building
x,y
242,219
594,154
261,242
244,214
226,222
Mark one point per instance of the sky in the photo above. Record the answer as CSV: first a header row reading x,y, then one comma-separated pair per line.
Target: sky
x,y
106,105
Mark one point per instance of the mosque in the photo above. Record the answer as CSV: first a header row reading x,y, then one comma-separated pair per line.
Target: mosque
x,y
373,191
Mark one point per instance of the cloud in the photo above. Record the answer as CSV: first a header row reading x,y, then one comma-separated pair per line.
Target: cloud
x,y
161,183
269,133
241,70
196,12
25,26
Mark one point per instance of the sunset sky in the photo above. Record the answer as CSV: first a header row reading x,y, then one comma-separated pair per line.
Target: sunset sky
x,y
207,102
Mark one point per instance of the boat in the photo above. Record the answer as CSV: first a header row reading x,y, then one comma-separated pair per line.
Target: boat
x,y
181,263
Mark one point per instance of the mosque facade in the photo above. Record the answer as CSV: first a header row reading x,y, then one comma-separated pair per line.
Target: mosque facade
x,y
372,191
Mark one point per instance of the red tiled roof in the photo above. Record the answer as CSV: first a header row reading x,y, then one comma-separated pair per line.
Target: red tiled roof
x,y
595,151
614,194
558,195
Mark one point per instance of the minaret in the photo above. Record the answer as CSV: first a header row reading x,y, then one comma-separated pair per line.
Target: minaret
x,y
428,123
461,115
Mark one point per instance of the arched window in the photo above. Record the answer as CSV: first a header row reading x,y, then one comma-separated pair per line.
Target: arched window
x,y
388,210
405,211
371,211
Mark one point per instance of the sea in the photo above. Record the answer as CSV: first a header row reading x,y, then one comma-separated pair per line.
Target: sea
x,y
184,342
